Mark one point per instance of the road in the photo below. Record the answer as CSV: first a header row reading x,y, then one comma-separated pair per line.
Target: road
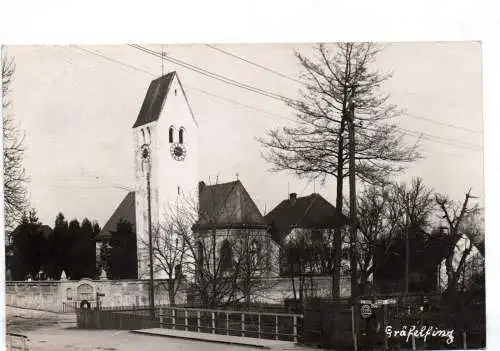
x,y
52,331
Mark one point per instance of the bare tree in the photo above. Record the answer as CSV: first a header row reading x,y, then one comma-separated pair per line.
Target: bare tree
x,y
15,178
303,257
225,263
385,214
337,84
456,216
376,227
170,251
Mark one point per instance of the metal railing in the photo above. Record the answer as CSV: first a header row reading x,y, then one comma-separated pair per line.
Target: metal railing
x,y
239,323
16,342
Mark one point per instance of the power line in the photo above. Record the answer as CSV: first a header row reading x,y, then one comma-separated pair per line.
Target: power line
x,y
254,63
450,125
283,98
209,74
439,140
135,68
416,134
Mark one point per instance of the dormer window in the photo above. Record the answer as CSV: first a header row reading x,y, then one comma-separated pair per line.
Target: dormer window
x,y
171,135
181,136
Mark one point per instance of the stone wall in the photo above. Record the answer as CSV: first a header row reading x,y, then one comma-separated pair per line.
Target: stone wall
x,y
59,296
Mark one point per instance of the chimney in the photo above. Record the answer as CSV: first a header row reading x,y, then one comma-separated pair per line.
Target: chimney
x,y
292,198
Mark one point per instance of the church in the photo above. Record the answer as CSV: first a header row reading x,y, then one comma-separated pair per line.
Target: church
x,y
166,174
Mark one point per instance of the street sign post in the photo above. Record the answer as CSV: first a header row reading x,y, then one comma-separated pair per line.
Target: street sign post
x,y
366,311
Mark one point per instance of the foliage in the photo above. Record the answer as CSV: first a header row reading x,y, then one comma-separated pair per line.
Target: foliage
x,y
123,252
69,247
28,243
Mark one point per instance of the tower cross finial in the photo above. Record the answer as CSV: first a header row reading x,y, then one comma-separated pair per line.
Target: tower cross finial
x,y
163,53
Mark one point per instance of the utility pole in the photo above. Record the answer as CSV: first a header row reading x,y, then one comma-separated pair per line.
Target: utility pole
x,y
353,220
150,234
407,263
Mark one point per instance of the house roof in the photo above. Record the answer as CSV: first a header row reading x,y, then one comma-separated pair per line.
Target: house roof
x,y
125,211
227,205
308,212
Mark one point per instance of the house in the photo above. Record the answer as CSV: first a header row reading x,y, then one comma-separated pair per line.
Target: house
x,y
426,251
312,216
228,221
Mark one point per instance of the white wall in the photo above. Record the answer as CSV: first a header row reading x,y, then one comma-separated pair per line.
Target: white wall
x,y
173,183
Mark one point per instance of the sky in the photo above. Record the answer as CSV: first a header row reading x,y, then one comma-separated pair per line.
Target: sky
x,y
76,106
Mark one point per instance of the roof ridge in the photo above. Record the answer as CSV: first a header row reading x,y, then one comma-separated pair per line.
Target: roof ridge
x,y
313,199
226,183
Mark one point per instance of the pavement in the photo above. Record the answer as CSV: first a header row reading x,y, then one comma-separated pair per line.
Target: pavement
x,y
47,331
219,338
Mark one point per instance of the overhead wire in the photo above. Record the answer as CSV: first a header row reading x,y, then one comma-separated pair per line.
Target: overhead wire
x,y
416,134
450,125
209,74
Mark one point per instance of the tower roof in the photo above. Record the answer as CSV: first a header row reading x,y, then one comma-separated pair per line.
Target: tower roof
x,y
154,100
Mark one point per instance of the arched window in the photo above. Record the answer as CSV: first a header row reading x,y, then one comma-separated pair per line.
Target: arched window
x,y
226,255
84,292
149,135
181,136
200,250
143,136
171,135
69,294
255,252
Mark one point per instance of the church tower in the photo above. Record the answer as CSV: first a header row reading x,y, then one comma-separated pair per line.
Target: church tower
x,y
166,159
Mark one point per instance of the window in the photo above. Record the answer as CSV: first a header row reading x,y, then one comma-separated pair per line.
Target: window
x,y
181,136
200,253
84,292
254,251
69,294
149,135
171,135
143,136
226,255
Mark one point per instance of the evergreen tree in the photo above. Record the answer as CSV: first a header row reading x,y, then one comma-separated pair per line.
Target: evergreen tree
x,y
87,248
123,252
76,251
96,229
59,248
28,247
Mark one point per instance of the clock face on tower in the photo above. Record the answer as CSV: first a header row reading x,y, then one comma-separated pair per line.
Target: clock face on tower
x,y
178,151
